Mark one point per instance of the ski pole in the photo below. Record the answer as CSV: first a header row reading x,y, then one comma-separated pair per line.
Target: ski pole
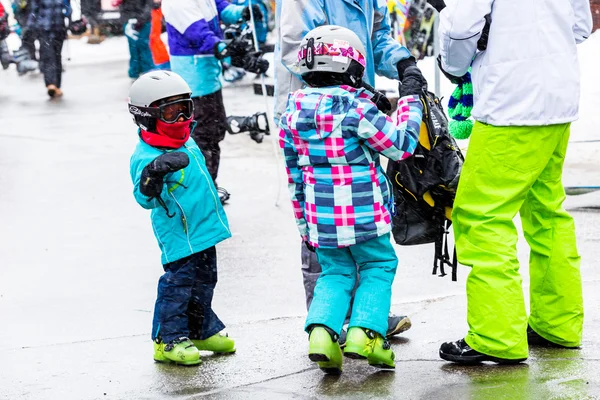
x,y
68,50
266,98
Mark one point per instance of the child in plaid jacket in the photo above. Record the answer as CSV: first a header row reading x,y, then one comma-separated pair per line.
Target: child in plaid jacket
x,y
332,135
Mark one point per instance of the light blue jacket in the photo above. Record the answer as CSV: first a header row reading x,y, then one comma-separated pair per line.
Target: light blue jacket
x,y
199,221
367,18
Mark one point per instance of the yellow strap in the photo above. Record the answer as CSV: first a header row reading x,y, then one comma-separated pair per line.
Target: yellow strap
x,y
175,186
449,213
428,199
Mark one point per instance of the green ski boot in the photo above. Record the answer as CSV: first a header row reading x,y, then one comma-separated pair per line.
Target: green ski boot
x,y
357,343
324,349
364,343
381,355
180,351
216,343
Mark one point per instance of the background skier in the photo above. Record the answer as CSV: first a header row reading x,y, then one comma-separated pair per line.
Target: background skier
x,y
136,15
48,21
160,55
526,94
195,41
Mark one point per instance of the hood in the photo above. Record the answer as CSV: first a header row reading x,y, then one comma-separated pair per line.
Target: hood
x,y
314,113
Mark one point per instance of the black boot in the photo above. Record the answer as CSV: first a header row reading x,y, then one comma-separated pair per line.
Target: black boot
x,y
256,125
535,340
460,352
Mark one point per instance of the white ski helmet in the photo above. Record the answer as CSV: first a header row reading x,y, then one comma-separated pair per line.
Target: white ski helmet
x,y
150,88
330,48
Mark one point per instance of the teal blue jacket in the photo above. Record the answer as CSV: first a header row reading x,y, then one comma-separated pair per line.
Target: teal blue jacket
x,y
199,221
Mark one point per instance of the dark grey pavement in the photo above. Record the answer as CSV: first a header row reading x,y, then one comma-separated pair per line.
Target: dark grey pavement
x,y
79,267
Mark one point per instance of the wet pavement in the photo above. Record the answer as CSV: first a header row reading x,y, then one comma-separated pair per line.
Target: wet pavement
x,y
80,266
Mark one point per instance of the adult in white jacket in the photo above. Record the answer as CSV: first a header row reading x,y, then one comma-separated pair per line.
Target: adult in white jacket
x,y
526,94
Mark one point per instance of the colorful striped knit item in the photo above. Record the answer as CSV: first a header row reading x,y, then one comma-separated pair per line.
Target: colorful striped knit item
x,y
460,106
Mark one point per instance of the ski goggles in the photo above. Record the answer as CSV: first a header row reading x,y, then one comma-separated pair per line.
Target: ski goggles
x,y
168,112
340,51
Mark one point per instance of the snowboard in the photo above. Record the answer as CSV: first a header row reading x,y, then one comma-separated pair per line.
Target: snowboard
x,y
419,29
579,190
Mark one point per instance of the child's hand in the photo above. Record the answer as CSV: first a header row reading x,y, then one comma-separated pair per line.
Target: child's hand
x,y
168,162
151,181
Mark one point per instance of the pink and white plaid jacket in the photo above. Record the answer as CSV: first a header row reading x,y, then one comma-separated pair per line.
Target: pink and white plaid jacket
x,y
331,140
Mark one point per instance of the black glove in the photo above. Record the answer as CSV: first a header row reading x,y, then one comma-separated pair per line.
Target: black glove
x,y
403,64
310,247
151,181
380,99
251,62
457,80
439,5
258,15
413,83
483,40
234,48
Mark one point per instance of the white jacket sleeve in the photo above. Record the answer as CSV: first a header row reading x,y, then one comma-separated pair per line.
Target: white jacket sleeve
x,y
582,27
461,23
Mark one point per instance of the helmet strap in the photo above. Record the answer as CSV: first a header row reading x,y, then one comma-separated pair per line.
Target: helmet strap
x,y
310,53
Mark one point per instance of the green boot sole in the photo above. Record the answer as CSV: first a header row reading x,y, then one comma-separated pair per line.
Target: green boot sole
x,y
325,352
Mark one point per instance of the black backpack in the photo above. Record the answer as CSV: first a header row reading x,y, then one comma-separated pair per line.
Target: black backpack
x,y
424,187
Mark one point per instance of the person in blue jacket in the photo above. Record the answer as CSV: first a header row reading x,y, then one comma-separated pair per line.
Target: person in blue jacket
x,y
136,15
170,178
196,47
384,56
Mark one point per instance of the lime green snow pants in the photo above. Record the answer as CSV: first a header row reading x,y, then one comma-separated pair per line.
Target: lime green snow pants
x,y
510,170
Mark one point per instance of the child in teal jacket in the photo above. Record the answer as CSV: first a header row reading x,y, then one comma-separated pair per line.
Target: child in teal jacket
x,y
170,178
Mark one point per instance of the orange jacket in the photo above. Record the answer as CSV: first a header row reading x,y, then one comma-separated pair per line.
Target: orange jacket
x,y
160,55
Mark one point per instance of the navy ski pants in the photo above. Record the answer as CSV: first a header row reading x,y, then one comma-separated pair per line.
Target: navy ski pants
x,y
184,300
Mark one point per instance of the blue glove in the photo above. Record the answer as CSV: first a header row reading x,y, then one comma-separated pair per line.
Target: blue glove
x,y
130,31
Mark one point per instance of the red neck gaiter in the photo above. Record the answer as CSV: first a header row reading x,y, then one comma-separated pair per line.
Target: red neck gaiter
x,y
170,136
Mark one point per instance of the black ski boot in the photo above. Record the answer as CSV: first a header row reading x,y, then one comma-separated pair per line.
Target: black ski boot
x,y
256,125
461,353
534,339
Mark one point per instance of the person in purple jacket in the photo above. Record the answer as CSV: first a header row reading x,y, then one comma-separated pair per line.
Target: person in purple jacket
x,y
332,135
195,47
